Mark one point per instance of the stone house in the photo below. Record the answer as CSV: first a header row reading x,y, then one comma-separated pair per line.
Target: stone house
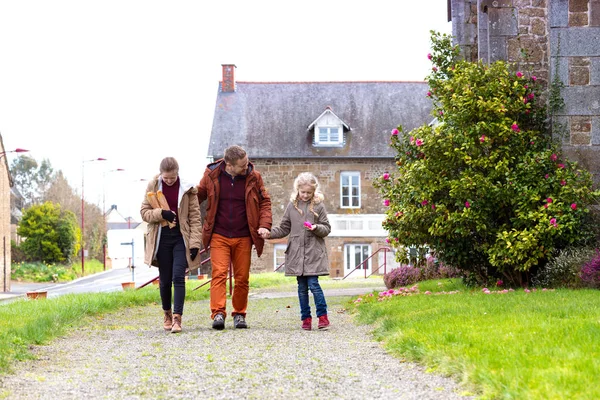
x,y
5,226
340,131
559,42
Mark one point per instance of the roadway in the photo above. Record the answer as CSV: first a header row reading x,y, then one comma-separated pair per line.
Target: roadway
x,y
106,281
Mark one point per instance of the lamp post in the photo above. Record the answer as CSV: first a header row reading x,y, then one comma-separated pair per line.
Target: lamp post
x,y
4,251
104,213
83,210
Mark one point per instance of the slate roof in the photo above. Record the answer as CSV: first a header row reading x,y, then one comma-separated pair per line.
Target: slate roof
x,y
270,120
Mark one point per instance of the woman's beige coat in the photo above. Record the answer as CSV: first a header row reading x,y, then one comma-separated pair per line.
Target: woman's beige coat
x,y
188,216
306,254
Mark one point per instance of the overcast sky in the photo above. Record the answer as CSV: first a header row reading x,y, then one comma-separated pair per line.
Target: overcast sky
x,y
134,81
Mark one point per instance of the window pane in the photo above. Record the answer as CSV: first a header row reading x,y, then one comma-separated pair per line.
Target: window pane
x,y
357,257
345,181
354,180
348,258
354,201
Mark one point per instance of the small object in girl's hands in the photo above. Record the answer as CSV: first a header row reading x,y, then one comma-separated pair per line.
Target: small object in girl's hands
x,y
308,224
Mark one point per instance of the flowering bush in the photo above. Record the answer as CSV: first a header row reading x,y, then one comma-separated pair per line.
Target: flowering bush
x,y
404,275
475,186
590,273
563,270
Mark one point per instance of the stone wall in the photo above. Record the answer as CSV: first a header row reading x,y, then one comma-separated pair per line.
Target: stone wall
x,y
279,175
546,38
5,259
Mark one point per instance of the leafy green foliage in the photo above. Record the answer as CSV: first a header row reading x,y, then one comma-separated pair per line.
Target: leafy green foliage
x,y
563,270
485,187
31,179
50,234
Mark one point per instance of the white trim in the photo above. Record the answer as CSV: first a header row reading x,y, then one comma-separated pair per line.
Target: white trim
x,y
361,271
357,225
276,263
350,174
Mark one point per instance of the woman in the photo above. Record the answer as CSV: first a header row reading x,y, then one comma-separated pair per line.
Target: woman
x,y
173,237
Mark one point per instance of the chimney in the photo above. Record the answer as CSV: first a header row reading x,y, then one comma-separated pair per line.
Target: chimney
x,y
228,84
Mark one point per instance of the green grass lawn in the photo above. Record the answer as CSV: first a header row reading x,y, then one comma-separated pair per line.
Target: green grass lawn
x,y
515,345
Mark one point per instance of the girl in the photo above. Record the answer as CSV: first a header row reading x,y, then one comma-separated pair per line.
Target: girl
x,y
173,248
305,221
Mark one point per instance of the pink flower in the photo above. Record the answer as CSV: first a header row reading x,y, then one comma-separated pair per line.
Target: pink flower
x,y
546,176
386,176
394,132
545,205
433,206
387,240
531,96
561,165
532,142
441,112
412,140
386,202
434,69
428,94
563,183
533,78
515,128
549,200
499,283
553,222
553,157
519,74
429,56
419,142
482,138
467,204
424,202
399,214
308,224
524,100
574,206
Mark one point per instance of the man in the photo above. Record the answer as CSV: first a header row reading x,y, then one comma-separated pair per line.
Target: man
x,y
238,212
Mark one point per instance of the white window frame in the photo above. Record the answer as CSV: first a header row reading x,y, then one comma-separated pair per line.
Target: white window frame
x,y
350,175
277,261
329,142
350,265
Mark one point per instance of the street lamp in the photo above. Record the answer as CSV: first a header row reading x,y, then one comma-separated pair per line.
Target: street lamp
x,y
104,212
17,150
82,210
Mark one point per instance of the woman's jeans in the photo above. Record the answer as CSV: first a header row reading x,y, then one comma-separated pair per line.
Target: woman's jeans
x,y
172,263
312,283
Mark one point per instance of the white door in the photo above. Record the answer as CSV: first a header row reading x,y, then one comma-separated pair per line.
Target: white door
x,y
356,258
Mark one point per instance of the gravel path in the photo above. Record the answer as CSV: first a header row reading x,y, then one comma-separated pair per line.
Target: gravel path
x,y
128,356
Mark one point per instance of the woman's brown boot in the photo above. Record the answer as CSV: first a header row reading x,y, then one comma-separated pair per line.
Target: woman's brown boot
x,y
176,323
168,324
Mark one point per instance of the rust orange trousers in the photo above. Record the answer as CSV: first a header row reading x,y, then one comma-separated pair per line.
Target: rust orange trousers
x,y
223,252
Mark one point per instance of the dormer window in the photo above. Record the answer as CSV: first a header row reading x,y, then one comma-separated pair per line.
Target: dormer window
x,y
328,130
329,135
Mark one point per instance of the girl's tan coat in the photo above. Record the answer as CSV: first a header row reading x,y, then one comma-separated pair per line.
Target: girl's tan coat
x,y
306,254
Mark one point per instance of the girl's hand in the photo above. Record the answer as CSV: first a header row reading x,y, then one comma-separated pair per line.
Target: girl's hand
x,y
309,226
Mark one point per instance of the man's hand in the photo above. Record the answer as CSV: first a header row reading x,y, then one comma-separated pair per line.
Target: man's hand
x,y
264,233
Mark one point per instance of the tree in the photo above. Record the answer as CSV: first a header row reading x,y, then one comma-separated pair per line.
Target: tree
x,y
486,187
50,234
31,179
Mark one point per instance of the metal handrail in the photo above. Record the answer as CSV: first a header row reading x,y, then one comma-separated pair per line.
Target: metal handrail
x,y
385,249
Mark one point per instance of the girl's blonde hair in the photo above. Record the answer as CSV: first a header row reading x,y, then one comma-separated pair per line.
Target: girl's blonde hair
x,y
304,179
